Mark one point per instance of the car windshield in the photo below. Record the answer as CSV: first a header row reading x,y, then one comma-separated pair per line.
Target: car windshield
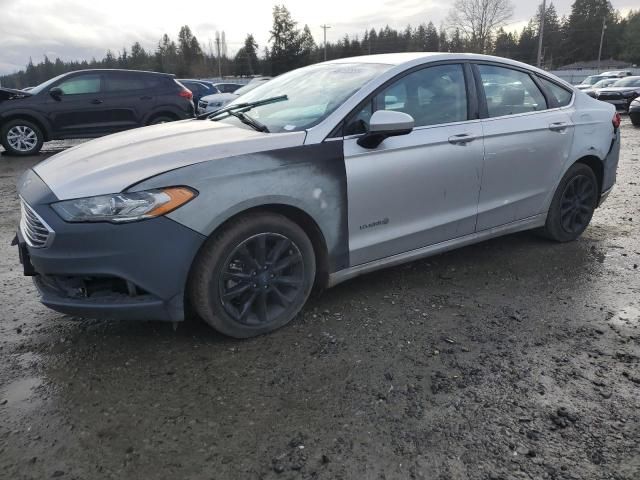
x,y
312,94
591,80
628,82
604,83
45,85
250,86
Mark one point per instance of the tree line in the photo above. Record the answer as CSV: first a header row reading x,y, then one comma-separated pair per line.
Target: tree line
x,y
566,39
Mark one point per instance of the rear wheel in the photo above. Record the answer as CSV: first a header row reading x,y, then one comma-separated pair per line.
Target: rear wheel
x,y
573,204
254,276
21,137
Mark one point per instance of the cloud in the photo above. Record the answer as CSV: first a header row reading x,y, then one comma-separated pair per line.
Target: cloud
x,y
80,29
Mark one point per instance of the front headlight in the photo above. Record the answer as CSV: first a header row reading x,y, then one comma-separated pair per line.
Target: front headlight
x,y
124,207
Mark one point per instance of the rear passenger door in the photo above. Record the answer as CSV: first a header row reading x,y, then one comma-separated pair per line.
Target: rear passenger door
x,y
128,97
527,140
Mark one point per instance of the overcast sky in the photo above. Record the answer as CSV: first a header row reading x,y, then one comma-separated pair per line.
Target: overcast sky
x,y
81,29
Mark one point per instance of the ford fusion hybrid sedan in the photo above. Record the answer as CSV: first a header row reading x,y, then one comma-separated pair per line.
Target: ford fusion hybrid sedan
x,y
320,175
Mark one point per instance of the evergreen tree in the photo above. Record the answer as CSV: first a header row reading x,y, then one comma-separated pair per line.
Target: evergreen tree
x,y
432,40
246,60
307,46
285,38
631,38
584,27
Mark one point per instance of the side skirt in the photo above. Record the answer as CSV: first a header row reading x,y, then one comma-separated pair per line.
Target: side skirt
x,y
352,272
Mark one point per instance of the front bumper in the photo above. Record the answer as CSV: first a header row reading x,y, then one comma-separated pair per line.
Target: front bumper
x,y
132,271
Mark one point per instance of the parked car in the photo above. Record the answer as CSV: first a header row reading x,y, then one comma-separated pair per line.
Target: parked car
x,y
618,73
322,174
634,112
211,103
228,87
592,80
199,88
621,93
87,104
607,82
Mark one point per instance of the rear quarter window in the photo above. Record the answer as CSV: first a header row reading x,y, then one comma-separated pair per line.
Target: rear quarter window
x,y
561,94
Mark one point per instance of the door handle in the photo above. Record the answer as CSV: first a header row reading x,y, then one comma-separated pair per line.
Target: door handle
x,y
558,126
461,139
96,101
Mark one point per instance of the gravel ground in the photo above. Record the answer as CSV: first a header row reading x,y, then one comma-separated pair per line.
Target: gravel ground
x,y
513,359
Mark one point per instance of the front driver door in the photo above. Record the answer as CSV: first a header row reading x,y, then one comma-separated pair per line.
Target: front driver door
x,y
80,110
422,188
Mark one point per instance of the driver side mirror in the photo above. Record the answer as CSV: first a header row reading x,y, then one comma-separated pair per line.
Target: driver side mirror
x,y
56,93
384,124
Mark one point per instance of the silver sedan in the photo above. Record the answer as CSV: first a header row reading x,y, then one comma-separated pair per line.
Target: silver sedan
x,y
320,175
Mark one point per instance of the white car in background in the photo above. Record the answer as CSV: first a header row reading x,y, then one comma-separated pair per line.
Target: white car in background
x,y
214,102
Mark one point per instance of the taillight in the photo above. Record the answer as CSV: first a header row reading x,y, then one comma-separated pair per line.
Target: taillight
x,y
186,93
616,120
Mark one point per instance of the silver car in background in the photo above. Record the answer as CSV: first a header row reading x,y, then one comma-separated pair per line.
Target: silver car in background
x,y
320,175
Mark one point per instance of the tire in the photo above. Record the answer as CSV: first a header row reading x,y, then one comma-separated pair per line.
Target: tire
x,y
635,118
573,204
21,137
160,119
263,292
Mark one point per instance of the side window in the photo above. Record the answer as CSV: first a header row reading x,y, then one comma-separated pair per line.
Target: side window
x,y
510,92
561,94
122,83
81,84
432,96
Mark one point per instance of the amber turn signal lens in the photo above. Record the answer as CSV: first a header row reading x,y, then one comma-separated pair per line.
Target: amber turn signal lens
x,y
178,196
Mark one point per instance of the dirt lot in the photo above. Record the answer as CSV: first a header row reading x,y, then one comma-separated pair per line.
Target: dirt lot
x,y
513,359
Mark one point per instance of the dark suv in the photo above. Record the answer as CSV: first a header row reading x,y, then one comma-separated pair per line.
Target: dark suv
x,y
87,104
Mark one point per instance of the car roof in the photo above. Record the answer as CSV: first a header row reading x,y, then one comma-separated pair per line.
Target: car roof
x,y
121,70
409,59
195,80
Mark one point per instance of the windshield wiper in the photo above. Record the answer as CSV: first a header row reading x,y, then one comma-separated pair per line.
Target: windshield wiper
x,y
244,107
247,120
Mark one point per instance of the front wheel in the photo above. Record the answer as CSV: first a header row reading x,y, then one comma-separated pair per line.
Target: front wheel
x,y
573,204
160,119
254,276
21,137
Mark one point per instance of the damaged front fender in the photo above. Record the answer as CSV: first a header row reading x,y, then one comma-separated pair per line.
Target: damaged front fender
x,y
12,94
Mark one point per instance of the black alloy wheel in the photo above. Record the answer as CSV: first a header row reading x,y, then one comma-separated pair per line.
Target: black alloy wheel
x,y
573,204
253,275
578,200
262,277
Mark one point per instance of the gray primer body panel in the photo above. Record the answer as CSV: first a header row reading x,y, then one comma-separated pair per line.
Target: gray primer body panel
x,y
310,178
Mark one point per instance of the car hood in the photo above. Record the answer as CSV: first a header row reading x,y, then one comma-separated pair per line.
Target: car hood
x,y
113,163
217,97
12,94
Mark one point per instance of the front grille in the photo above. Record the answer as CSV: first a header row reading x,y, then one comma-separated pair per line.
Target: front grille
x,y
34,229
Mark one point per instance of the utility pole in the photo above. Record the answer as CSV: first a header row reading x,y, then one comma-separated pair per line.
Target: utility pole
x,y
542,15
325,27
218,52
604,27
